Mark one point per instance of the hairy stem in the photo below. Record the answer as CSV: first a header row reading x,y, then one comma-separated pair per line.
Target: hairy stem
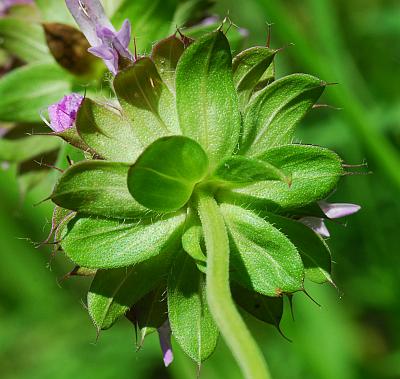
x,y
226,316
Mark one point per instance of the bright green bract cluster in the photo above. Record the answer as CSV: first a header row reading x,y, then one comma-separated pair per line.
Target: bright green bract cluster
x,y
195,124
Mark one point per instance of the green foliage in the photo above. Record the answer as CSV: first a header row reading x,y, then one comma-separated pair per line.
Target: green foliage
x,y
312,248
314,174
193,240
24,40
264,308
263,259
98,188
189,170
238,171
109,243
107,133
22,149
206,97
270,117
44,32
189,316
149,313
29,89
249,68
166,185
166,54
146,101
353,331
114,291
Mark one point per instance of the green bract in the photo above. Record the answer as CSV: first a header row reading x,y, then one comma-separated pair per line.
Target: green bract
x,y
194,180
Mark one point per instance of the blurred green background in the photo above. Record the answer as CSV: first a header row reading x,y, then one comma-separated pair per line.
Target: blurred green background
x,y
45,331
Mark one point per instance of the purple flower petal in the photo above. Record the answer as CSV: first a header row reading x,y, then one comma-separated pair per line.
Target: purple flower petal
x,y
89,14
164,333
317,224
106,43
338,210
124,35
101,52
63,114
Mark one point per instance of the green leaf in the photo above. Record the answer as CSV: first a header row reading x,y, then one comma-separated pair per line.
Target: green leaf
x,y
146,101
248,68
107,243
238,171
264,308
150,312
107,133
98,188
164,176
263,259
190,319
271,116
193,240
313,250
266,79
24,39
166,54
315,172
114,291
206,96
22,149
29,89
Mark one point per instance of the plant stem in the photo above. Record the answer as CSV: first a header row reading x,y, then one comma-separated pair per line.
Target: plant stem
x,y
226,316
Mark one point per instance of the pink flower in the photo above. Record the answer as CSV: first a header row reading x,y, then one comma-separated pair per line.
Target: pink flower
x,y
331,211
106,42
63,114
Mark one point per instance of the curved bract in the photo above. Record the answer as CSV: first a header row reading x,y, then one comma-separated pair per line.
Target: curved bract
x,y
184,191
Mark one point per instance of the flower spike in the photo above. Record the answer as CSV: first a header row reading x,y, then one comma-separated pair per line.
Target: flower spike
x,y
106,42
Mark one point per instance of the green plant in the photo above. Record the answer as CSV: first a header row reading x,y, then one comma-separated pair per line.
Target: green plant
x,y
50,60
193,197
